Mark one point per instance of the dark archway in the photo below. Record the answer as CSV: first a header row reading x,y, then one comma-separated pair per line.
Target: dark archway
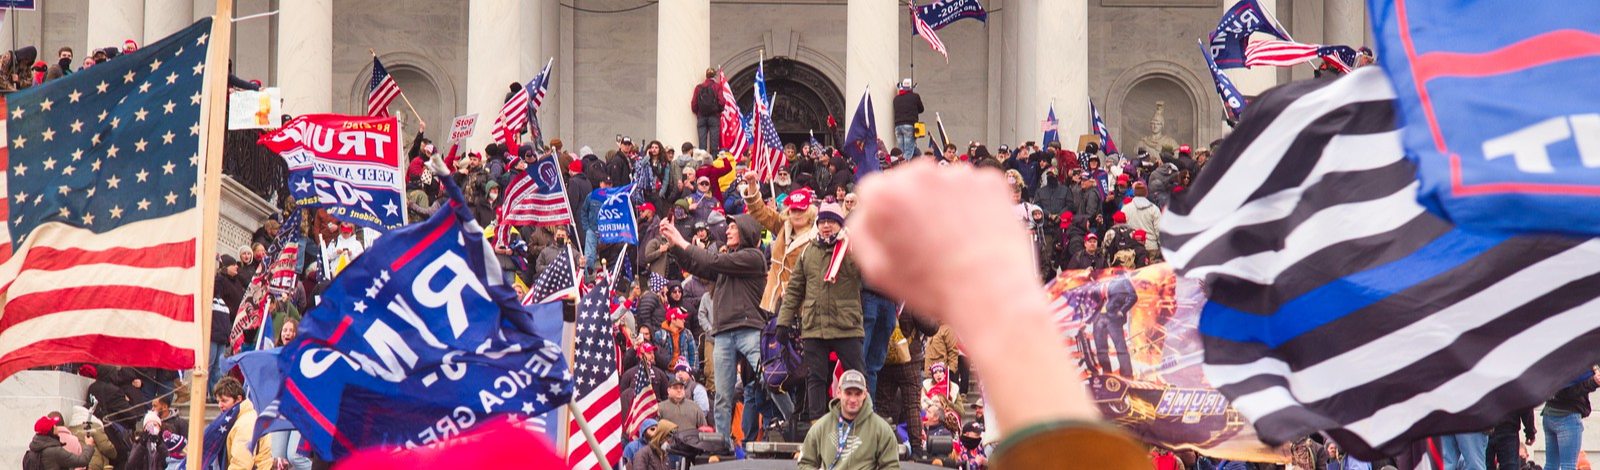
x,y
805,100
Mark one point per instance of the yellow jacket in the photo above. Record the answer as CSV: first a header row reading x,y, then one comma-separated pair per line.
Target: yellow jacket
x,y
239,455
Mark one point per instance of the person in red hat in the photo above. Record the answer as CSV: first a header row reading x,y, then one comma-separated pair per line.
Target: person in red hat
x,y
792,230
48,450
1090,257
675,338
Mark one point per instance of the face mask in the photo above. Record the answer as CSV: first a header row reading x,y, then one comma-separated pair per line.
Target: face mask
x,y
970,442
65,62
428,148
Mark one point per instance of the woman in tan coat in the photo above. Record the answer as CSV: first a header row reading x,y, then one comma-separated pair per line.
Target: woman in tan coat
x,y
791,231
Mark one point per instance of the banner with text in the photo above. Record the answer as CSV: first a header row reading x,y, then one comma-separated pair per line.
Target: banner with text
x,y
1135,337
350,165
418,341
254,109
462,126
617,221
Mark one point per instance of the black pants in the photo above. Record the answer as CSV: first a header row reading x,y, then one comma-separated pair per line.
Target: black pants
x,y
820,375
1503,451
899,398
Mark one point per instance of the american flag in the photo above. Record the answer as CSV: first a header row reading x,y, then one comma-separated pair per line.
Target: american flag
x,y
381,91
253,308
513,115
596,384
1287,53
99,221
734,136
657,283
540,86
816,146
536,197
769,151
645,406
927,32
558,281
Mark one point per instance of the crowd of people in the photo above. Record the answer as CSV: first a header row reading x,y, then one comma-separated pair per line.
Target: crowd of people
x,y
748,304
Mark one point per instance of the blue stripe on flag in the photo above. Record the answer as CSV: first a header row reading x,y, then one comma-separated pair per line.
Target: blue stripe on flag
x,y
1347,295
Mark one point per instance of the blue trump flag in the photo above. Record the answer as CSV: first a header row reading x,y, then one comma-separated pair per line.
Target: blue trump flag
x,y
417,341
1100,130
943,12
1231,99
861,141
617,221
1501,111
1051,127
1233,32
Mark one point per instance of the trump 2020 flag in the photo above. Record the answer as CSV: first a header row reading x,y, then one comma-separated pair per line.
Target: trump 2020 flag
x,y
416,341
347,164
861,141
1501,111
939,14
617,220
1231,99
1229,40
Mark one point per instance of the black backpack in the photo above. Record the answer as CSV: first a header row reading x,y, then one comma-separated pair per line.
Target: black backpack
x,y
706,101
30,461
121,439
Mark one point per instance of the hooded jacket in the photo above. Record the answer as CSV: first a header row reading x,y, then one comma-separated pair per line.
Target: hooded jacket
x,y
870,445
737,274
111,402
787,244
1053,197
1144,215
639,442
53,454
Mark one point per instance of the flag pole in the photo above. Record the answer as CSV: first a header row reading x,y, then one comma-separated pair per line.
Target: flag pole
x,y
588,435
403,96
216,86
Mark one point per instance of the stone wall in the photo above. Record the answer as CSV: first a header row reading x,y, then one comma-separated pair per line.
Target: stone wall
x,y
1139,55
423,43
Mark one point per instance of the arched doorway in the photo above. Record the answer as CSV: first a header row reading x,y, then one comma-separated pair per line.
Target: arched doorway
x,y
805,100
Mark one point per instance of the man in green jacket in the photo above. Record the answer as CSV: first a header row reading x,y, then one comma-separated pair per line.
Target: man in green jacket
x,y
850,436
825,291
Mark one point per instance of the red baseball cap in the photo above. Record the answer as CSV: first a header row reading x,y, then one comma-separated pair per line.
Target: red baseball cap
x,y
1091,237
1183,149
1066,222
1122,179
1139,235
674,313
799,200
1119,217
576,166
45,425
647,207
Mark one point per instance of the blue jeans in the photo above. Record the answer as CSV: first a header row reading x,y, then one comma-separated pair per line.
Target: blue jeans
x,y
729,346
590,242
878,317
709,129
1466,451
768,405
1563,439
905,137
286,445
217,350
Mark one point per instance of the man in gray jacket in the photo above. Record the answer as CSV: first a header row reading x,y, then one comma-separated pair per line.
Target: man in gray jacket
x,y
736,319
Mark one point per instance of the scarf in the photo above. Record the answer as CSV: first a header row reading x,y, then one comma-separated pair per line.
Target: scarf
x,y
216,440
940,388
836,261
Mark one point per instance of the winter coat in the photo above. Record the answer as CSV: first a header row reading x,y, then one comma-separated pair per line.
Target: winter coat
x,y
870,445
684,347
1088,203
686,415
649,458
104,450
1053,198
907,106
110,402
655,260
595,169
239,455
619,168
941,349
1144,215
1086,260
54,456
19,63
737,301
827,310
787,244
649,310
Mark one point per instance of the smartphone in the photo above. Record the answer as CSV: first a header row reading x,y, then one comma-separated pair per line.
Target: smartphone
x,y
619,137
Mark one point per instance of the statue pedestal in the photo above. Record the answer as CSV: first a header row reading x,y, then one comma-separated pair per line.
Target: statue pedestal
x,y
28,395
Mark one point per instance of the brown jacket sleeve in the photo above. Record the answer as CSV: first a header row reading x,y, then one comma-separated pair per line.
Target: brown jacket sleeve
x,y
769,219
1070,445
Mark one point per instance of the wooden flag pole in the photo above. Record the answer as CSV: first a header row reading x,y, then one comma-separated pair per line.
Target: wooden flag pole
x,y
403,96
216,113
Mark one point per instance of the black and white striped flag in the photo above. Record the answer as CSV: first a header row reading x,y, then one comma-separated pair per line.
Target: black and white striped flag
x,y
1338,304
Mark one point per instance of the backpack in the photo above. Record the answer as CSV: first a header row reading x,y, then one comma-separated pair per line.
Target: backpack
x,y
706,101
781,368
30,461
692,443
122,440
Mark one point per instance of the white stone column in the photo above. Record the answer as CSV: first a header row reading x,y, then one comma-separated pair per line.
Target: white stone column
x,y
872,59
113,21
164,17
493,62
550,42
1052,66
1345,23
1252,82
305,56
683,52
